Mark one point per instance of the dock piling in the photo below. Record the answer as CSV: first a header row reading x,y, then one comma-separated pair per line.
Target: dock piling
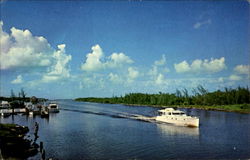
x,y
43,154
41,146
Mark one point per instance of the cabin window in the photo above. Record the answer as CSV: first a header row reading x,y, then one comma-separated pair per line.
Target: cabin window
x,y
178,113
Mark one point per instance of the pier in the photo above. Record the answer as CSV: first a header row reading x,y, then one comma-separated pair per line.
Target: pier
x,y
16,110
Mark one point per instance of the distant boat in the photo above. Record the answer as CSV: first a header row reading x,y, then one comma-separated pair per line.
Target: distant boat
x,y
44,114
169,115
5,104
53,108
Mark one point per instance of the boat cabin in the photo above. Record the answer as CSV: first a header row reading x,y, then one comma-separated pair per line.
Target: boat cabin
x,y
53,105
170,111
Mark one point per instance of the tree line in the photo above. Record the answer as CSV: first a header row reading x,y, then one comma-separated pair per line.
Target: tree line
x,y
199,96
18,100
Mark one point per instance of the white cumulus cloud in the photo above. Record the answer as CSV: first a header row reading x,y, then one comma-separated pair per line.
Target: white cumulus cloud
x,y
132,74
157,71
235,77
93,59
158,66
96,60
160,79
21,49
119,58
114,78
242,69
182,67
201,66
214,65
161,62
60,69
18,80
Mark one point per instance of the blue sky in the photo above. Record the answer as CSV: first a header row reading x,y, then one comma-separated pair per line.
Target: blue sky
x,y
64,49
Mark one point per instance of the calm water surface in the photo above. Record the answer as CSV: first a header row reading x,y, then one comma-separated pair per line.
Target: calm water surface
x,y
96,131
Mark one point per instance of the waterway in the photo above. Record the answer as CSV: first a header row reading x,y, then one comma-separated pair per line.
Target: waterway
x,y
100,131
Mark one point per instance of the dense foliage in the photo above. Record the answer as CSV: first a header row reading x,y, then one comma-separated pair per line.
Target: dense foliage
x,y
199,96
18,101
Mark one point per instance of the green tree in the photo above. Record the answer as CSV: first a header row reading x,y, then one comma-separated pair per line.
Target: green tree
x,y
12,94
22,94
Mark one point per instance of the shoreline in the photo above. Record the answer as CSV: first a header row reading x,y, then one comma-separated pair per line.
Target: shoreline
x,y
223,108
208,108
14,142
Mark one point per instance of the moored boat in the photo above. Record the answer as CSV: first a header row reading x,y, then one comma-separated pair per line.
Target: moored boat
x,y
53,108
44,112
5,104
170,115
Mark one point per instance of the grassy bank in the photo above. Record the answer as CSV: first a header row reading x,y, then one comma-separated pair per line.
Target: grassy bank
x,y
232,100
239,108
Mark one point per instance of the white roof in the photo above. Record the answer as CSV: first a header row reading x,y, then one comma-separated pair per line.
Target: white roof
x,y
170,110
4,102
52,104
166,110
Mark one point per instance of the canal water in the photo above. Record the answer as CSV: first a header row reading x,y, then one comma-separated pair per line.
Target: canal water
x,y
99,131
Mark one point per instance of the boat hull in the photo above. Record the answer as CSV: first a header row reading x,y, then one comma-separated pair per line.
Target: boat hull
x,y
190,122
53,110
44,114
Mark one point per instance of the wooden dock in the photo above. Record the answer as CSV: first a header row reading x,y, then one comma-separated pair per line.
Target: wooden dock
x,y
16,110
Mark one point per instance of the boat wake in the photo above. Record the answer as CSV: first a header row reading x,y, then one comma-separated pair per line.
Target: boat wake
x,y
117,115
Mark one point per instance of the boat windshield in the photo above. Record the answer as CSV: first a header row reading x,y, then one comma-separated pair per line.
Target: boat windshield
x,y
53,106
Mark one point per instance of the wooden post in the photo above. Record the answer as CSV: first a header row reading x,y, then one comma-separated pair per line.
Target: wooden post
x,y
43,154
41,146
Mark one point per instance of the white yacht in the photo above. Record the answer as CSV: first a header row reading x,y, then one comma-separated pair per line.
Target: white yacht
x,y
53,108
5,104
169,115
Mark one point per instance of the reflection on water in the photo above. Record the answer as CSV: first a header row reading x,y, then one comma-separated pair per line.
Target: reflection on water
x,y
169,129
